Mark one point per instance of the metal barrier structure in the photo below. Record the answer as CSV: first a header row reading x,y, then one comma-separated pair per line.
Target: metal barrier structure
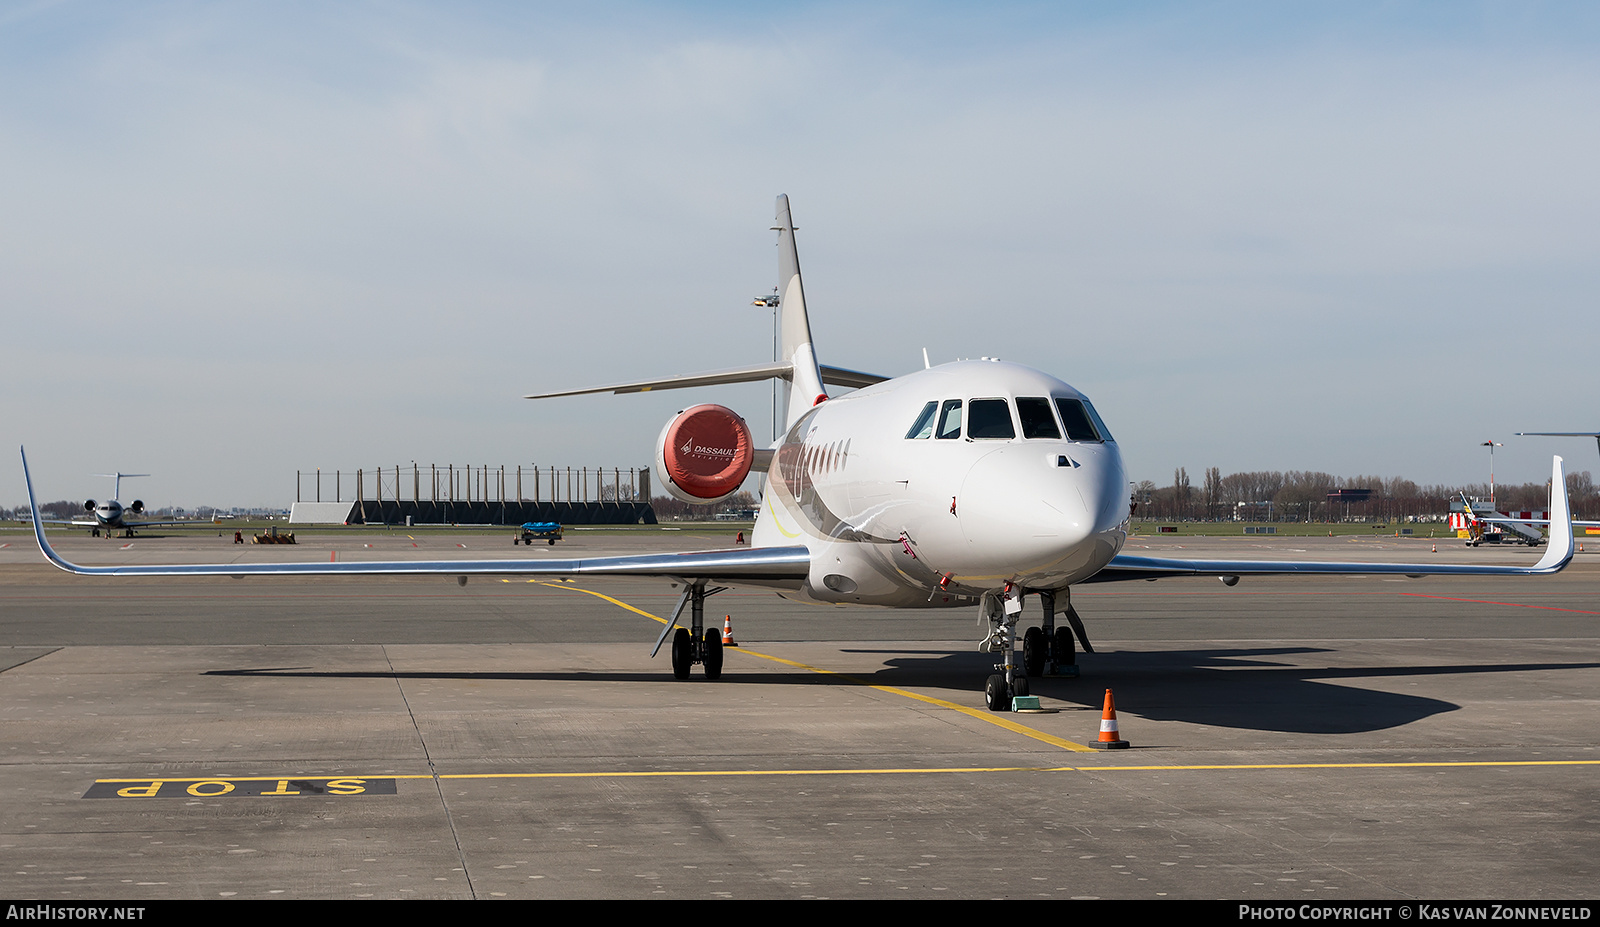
x,y
484,495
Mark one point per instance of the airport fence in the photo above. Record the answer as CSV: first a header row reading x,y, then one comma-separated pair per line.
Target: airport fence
x,y
484,494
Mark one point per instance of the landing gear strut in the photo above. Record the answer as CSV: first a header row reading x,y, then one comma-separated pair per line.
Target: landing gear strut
x,y
1002,612
1054,648
694,644
1046,651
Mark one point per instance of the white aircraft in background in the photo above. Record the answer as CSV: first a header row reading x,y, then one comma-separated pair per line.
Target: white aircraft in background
x,y
111,516
1515,523
970,484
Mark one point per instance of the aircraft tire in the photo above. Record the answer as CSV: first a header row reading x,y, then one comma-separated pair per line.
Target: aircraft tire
x,y
995,694
682,653
712,661
1066,651
1019,685
1033,653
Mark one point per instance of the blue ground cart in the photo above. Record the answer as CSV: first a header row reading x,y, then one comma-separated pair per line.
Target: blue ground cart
x,y
542,530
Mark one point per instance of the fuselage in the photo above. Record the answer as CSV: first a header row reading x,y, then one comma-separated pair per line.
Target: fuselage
x,y
933,488
109,514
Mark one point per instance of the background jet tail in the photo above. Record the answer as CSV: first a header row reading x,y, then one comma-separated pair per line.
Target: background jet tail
x,y
804,386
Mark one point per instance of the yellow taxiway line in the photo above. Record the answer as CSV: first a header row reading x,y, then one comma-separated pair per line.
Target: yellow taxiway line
x,y
891,771
998,720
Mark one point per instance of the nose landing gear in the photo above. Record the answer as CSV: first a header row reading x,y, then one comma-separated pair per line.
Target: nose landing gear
x,y
1002,611
1046,651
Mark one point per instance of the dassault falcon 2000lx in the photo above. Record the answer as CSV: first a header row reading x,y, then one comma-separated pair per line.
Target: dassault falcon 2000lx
x,y
969,484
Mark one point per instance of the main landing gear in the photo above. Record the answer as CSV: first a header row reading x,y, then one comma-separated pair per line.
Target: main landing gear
x,y
1046,651
696,643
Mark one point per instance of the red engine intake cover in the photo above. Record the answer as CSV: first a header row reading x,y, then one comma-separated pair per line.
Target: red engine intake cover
x,y
707,451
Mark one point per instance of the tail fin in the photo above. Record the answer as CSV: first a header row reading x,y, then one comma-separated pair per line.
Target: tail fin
x,y
805,387
797,367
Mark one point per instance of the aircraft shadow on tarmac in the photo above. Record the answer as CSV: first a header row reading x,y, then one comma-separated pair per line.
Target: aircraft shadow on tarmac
x,y
1244,688
1240,688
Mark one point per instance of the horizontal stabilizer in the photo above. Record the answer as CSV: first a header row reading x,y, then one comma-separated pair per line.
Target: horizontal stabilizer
x,y
682,381
851,379
837,376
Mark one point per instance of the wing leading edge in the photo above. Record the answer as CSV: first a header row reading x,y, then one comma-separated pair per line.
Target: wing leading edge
x,y
781,567
1556,556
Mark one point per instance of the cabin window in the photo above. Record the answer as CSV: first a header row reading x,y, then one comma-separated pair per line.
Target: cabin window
x,y
923,426
950,419
990,418
1037,422
1080,427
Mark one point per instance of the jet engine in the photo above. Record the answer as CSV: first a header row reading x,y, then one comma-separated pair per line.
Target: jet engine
x,y
136,507
88,506
704,454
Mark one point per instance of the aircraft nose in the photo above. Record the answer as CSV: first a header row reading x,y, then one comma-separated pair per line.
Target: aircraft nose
x,y
1025,510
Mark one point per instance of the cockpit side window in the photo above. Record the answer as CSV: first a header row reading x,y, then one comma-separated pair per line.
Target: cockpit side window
x,y
1077,421
1037,422
990,418
950,419
1100,426
923,426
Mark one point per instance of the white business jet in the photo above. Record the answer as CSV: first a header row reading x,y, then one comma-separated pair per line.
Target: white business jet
x,y
968,484
111,516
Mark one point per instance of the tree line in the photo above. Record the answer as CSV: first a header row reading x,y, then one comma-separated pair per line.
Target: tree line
x,y
1302,495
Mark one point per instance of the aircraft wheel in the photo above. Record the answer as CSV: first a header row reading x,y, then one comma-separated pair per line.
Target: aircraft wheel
x,y
995,694
1066,653
713,654
1019,685
1033,651
682,653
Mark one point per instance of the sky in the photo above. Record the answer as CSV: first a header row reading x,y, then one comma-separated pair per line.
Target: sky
x,y
242,239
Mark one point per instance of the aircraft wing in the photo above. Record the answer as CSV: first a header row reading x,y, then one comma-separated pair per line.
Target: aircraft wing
x,y
94,523
1556,556
782,567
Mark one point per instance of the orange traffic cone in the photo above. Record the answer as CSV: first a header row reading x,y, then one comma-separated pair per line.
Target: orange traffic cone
x,y
1436,548
1109,738
727,631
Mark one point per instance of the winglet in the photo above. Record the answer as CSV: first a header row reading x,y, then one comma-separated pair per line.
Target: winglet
x,y
1559,548
38,525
